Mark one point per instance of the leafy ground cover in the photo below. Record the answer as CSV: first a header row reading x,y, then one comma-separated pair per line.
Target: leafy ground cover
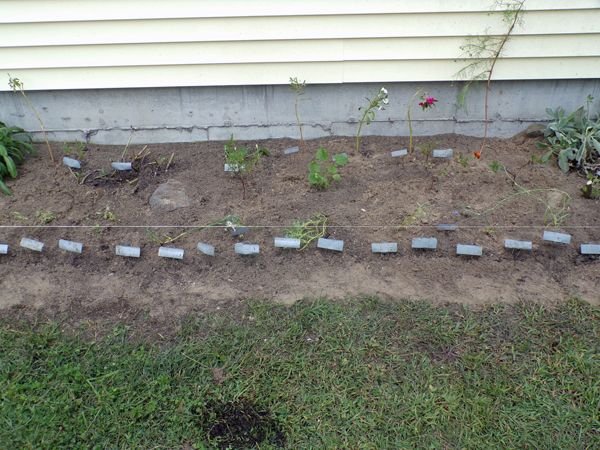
x,y
320,374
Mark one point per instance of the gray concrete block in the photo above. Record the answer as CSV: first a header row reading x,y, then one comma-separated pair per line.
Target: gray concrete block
x,y
469,250
512,244
32,244
71,162
399,153
128,252
446,227
330,244
206,249
424,243
70,246
443,153
291,150
557,238
171,252
384,247
3,249
283,242
121,166
244,249
590,249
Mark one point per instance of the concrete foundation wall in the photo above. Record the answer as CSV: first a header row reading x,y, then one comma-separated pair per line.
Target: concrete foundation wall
x,y
153,115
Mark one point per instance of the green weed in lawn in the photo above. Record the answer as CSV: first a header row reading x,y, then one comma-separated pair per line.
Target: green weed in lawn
x,y
319,374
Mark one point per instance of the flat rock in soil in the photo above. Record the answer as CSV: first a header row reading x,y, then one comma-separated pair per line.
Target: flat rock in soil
x,y
557,238
70,246
171,252
384,247
128,252
443,153
512,244
206,249
169,196
72,163
245,249
424,243
446,227
122,166
331,244
291,150
239,231
32,244
586,249
399,153
283,242
469,250
3,249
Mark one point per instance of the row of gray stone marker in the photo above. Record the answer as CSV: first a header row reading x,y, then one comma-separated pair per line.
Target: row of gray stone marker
x,y
335,245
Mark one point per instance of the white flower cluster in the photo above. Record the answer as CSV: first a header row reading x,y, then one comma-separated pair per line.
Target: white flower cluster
x,y
382,98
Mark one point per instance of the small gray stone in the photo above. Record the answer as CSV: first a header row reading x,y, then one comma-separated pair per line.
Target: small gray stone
x,y
446,227
70,246
245,249
170,252
3,249
282,242
232,167
590,249
399,153
469,250
239,231
557,238
206,249
331,244
169,196
121,166
443,153
291,150
423,243
32,244
72,163
384,247
128,252
512,244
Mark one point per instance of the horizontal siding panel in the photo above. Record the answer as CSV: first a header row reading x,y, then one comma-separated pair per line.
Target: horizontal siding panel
x,y
291,28
314,73
284,51
23,11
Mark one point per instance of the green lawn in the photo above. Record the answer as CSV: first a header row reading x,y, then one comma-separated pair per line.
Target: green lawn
x,y
357,374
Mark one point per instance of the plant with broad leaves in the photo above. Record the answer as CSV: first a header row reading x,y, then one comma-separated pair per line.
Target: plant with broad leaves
x,y
15,146
573,138
322,170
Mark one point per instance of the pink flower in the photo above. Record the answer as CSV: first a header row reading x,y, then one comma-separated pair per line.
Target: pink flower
x,y
427,102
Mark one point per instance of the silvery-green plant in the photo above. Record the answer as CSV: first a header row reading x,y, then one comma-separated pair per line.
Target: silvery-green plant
x,y
377,103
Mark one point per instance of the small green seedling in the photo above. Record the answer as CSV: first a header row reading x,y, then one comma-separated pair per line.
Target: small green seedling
x,y
242,161
463,160
76,149
322,170
45,217
591,189
496,166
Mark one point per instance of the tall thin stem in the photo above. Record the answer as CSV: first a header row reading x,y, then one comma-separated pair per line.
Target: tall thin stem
x,y
39,119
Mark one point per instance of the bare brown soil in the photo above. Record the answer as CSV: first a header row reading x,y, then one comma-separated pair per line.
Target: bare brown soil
x,y
376,195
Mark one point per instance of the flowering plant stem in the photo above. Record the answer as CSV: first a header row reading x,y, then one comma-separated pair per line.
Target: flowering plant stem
x,y
408,116
376,103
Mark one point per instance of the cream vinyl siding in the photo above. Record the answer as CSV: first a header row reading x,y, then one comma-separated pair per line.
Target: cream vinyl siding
x,y
83,44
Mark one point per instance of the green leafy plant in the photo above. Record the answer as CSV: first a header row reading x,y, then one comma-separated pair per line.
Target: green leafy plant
x,y
308,230
463,160
241,161
76,149
18,86
15,146
591,189
496,166
298,87
44,217
573,138
481,54
426,103
322,170
376,103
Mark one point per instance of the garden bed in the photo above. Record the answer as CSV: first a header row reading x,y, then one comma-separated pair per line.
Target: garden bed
x,y
379,199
